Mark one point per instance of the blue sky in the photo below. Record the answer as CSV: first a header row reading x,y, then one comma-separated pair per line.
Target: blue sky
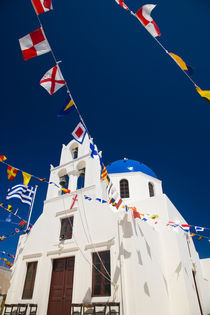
x,y
134,99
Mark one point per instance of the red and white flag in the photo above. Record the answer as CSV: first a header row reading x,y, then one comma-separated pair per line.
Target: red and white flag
x,y
41,6
34,44
122,4
143,15
79,133
53,80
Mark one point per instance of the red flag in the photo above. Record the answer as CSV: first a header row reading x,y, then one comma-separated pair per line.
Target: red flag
x,y
11,172
118,204
143,15
52,80
136,214
41,6
34,44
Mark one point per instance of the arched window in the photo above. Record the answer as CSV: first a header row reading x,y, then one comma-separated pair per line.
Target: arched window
x,y
74,151
151,190
124,188
81,179
63,179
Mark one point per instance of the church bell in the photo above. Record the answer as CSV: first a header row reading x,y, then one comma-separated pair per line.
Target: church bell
x,y
63,181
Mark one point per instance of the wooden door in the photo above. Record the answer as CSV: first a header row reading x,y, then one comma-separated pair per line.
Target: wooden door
x,y
61,286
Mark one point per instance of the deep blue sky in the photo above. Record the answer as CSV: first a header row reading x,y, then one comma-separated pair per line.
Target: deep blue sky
x,y
135,101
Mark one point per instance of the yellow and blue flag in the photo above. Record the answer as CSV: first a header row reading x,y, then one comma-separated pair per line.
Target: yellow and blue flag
x,y
69,107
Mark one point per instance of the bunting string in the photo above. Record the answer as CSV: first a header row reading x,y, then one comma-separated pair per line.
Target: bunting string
x,y
44,180
154,218
10,211
66,84
143,15
5,253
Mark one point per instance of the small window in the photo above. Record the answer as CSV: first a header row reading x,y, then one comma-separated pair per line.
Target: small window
x,y
75,153
66,228
124,188
81,179
29,280
101,282
151,190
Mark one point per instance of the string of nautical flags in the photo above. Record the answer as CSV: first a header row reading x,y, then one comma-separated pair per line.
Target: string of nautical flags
x,y
35,44
12,172
9,209
5,253
143,15
154,218
22,226
8,263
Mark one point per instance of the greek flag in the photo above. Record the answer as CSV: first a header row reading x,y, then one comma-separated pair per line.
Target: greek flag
x,y
22,192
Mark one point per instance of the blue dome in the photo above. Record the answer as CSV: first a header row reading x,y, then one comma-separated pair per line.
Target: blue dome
x,y
126,166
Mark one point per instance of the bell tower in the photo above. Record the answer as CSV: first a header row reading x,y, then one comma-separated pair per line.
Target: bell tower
x,y
77,169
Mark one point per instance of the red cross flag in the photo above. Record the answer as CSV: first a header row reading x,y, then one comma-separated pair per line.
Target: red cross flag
x,y
41,6
143,15
53,80
79,133
34,44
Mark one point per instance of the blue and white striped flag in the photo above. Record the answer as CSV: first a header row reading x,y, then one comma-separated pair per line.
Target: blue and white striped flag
x,y
22,192
199,229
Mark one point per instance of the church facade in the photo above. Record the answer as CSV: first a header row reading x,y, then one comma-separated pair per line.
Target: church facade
x,y
81,251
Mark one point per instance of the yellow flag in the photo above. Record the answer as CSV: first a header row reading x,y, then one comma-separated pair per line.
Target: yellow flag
x,y
26,178
9,208
204,94
179,61
155,216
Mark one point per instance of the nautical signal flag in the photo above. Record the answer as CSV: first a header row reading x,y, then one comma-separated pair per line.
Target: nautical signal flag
x,y
66,191
122,4
204,94
53,80
34,44
185,227
104,173
2,158
79,133
143,15
67,108
26,178
136,214
199,229
22,224
11,172
181,63
153,217
41,6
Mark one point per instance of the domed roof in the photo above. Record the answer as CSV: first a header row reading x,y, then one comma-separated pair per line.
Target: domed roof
x,y
126,166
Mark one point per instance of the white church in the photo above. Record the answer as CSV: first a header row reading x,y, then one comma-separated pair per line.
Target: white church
x,y
82,257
